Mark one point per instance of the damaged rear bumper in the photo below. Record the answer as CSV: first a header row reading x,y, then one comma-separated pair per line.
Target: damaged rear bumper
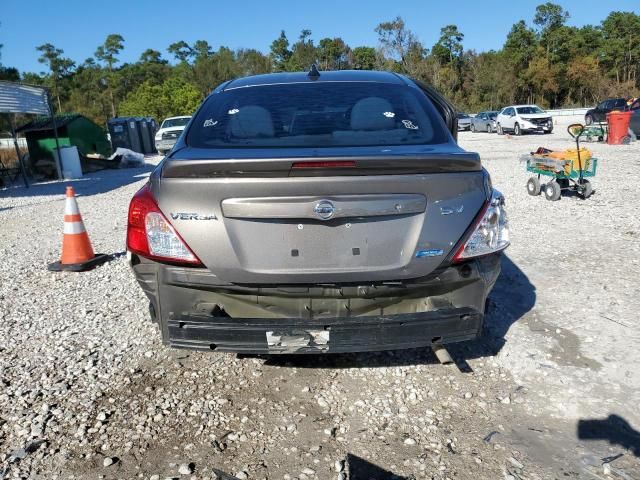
x,y
335,335
195,310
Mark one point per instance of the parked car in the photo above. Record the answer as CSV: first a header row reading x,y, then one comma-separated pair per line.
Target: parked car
x,y
170,130
634,122
523,118
484,122
464,121
321,212
599,113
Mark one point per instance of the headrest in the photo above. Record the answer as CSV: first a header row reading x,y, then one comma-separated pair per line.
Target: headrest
x,y
369,114
252,121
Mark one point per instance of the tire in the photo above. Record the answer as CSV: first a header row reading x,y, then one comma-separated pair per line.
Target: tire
x,y
500,131
473,128
162,152
489,129
516,130
588,119
533,186
152,313
587,189
552,191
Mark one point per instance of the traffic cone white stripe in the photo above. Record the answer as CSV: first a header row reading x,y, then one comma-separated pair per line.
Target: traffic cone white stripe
x,y
71,206
73,227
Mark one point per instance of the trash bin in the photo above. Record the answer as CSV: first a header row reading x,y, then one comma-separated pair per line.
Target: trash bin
x,y
618,127
125,133
143,129
153,128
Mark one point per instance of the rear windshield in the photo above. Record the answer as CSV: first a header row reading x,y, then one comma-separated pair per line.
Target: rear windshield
x,y
323,114
493,114
175,122
529,110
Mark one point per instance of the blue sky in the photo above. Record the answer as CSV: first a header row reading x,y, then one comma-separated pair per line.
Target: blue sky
x,y
79,26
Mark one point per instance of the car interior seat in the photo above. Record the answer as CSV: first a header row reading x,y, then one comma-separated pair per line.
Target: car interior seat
x,y
372,113
251,121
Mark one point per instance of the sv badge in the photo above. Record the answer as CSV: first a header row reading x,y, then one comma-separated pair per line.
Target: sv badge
x,y
450,210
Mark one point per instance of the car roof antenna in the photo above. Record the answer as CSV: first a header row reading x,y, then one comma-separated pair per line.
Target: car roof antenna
x,y
313,71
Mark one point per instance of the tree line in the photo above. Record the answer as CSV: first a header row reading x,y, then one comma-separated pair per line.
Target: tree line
x,y
546,62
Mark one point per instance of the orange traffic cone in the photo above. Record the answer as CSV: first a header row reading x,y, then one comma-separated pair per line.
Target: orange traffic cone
x,y
77,253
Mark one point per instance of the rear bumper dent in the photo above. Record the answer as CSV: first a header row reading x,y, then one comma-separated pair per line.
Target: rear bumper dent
x,y
194,311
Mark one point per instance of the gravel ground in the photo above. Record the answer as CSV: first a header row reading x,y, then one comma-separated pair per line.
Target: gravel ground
x,y
88,391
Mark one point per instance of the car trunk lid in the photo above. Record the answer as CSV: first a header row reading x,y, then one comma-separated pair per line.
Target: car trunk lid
x,y
370,218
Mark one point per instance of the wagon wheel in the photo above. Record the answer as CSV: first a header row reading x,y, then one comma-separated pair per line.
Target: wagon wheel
x,y
533,186
585,188
552,191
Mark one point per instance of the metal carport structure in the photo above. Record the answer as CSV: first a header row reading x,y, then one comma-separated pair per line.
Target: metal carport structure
x,y
20,98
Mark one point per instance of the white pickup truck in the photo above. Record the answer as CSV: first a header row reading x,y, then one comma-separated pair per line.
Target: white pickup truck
x,y
169,132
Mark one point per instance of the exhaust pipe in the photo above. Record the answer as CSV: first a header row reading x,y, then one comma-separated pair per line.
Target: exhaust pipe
x,y
441,354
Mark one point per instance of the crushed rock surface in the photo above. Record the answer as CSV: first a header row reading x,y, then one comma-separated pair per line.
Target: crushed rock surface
x,y
88,391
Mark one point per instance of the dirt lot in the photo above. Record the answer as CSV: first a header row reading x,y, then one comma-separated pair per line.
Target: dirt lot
x,y
88,391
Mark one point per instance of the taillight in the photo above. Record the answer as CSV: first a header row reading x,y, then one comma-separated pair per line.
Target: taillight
x,y
151,235
491,232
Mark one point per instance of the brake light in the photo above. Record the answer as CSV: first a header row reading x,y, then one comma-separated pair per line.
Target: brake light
x,y
491,232
150,234
325,164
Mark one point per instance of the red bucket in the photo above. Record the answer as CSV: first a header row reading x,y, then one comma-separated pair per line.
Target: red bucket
x,y
618,127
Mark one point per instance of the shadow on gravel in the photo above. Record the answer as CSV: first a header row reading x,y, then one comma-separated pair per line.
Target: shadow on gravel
x,y
223,476
512,297
91,184
392,358
360,469
613,429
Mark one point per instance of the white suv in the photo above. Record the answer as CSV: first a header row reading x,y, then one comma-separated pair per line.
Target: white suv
x,y
523,118
169,132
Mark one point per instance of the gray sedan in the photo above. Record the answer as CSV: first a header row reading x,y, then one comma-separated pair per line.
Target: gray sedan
x,y
464,121
484,122
278,223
